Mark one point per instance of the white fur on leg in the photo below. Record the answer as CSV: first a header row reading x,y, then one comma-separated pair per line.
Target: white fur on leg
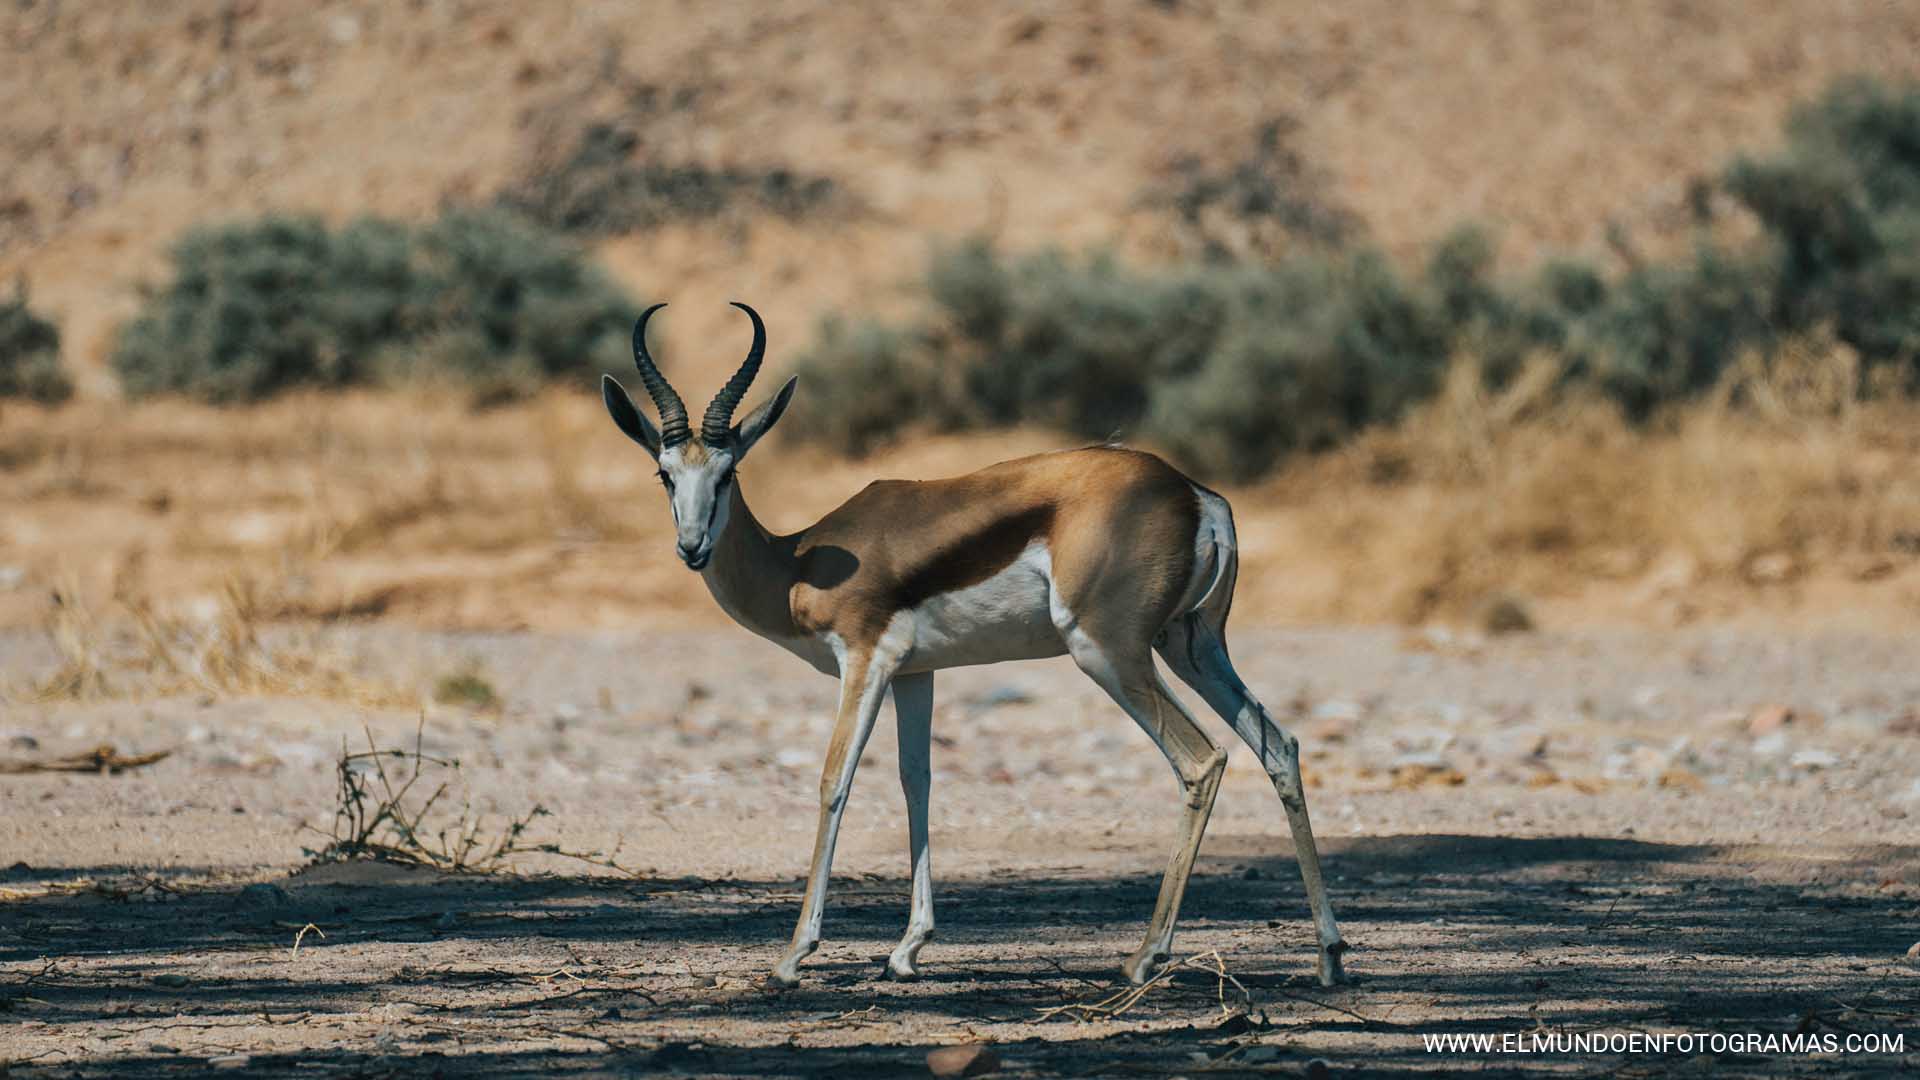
x,y
913,707
868,688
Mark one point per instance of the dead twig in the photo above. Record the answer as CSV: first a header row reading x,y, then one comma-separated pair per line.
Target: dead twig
x,y
101,759
1116,1004
301,936
380,816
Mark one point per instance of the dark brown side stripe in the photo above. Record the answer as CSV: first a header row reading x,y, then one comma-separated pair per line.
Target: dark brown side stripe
x,y
975,557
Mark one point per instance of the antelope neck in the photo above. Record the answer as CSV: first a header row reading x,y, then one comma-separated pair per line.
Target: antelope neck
x,y
752,572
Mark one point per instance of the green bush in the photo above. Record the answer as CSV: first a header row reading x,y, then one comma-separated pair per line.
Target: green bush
x,y
480,296
30,354
1233,365
1230,367
1841,207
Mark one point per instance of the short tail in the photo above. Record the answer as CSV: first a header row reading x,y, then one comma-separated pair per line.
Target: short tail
x,y
1216,539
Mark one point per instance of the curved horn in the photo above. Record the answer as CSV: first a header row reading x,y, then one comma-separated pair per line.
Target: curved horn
x,y
673,412
718,423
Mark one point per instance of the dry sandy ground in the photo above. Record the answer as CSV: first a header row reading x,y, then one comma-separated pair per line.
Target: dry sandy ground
x,y
1555,832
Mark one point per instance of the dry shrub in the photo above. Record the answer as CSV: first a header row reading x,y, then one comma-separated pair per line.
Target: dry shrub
x,y
346,505
412,507
229,654
412,807
1792,461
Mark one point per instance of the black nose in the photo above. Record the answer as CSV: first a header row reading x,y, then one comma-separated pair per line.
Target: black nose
x,y
687,550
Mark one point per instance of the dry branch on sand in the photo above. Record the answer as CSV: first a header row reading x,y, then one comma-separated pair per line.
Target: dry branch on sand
x,y
393,816
1117,1003
101,759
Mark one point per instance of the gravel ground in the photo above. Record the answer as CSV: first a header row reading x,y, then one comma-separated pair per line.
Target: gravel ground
x,y
1700,830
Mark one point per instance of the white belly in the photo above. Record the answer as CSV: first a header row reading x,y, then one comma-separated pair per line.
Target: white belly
x,y
1004,617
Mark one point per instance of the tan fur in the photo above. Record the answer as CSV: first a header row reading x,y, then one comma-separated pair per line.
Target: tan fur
x,y
1117,522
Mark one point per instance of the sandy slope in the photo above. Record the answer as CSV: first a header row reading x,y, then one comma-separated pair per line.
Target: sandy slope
x,y
123,124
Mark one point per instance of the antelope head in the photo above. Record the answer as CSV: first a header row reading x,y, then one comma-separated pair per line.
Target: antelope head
x,y
696,472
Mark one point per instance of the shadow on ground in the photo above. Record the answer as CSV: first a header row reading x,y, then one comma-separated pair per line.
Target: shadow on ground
x,y
420,974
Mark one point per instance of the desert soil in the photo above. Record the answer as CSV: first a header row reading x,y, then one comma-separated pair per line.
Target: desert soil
x,y
1563,832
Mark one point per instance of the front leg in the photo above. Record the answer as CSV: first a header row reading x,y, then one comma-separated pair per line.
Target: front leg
x,y
863,682
913,706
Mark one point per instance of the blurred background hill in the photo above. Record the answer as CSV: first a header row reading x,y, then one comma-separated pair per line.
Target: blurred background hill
x,y
1507,307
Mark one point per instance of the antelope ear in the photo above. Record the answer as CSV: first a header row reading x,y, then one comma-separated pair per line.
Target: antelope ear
x,y
629,419
748,431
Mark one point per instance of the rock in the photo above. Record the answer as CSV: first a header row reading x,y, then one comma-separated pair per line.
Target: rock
x,y
1432,760
20,740
1418,774
1318,1069
1237,1024
1337,709
1670,573
970,1059
1329,731
1679,779
1527,745
1332,721
344,29
1814,759
995,698
1907,723
230,1061
1771,718
1505,614
1870,568
1772,568
1913,953
264,896
1770,745
171,980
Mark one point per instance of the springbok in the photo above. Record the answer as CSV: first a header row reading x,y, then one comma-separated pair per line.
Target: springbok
x,y
1104,554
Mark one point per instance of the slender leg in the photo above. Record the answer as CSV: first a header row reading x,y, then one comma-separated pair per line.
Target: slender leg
x,y
1197,653
863,682
1133,683
913,707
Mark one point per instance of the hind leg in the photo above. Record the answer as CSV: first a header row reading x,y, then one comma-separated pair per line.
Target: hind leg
x,y
1196,650
1127,674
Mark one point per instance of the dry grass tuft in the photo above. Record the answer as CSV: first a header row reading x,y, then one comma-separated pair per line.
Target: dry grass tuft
x,y
1792,485
229,654
1486,498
